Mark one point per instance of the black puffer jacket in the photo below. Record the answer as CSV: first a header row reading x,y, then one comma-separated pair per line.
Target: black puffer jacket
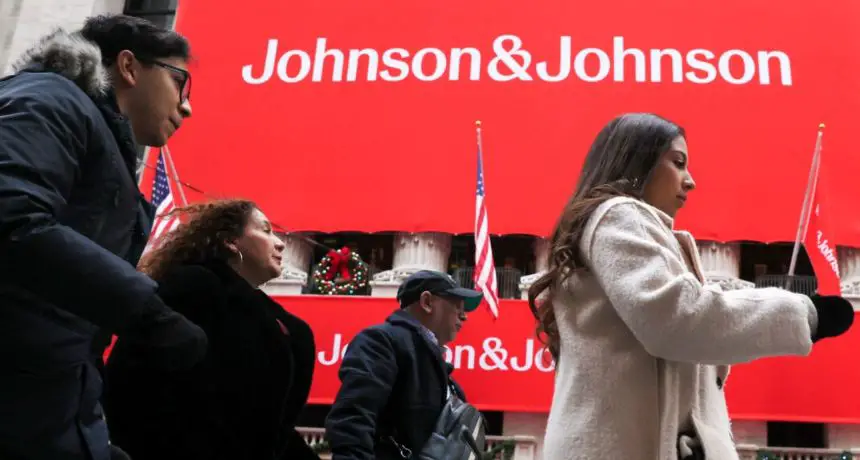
x,y
72,227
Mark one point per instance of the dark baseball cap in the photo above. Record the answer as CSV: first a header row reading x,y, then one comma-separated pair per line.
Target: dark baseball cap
x,y
436,283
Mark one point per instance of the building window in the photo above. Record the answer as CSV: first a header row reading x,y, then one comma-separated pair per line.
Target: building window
x,y
513,256
793,434
160,12
375,249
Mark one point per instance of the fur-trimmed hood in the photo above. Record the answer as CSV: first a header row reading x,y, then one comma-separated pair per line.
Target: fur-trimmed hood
x,y
70,55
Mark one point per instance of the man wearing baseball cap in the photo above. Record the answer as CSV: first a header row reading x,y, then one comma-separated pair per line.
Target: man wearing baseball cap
x,y
394,378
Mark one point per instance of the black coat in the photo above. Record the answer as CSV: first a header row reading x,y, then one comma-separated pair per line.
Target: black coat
x,y
241,402
394,382
72,227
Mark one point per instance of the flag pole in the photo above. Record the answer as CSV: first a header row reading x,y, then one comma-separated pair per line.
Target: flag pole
x,y
478,133
806,209
142,166
480,163
169,163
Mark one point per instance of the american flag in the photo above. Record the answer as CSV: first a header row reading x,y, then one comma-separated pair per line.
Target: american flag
x,y
485,270
162,199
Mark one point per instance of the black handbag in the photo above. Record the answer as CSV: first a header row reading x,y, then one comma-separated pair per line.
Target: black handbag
x,y
459,434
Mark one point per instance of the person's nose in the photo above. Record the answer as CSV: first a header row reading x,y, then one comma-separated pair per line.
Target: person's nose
x,y
185,109
689,183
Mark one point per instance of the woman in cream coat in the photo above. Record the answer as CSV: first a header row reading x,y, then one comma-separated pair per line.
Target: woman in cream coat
x,y
642,346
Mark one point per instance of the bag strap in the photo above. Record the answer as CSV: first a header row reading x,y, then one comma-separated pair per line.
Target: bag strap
x,y
470,440
405,452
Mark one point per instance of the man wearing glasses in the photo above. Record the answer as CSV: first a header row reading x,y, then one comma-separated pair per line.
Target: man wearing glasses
x,y
394,378
73,225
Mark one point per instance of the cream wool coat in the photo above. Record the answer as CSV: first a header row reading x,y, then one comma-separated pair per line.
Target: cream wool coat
x,y
645,347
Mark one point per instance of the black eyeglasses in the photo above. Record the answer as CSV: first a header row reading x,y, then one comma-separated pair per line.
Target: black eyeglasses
x,y
456,302
184,80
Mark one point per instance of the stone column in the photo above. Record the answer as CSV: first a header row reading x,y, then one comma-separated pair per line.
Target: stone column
x,y
541,251
841,436
749,432
412,252
721,264
29,20
295,266
10,11
849,271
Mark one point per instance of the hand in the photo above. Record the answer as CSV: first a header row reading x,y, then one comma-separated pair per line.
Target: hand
x,y
835,316
166,340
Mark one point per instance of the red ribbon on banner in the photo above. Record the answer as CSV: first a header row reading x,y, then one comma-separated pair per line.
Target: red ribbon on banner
x,y
339,264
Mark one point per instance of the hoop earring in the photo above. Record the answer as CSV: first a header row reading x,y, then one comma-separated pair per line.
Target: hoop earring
x,y
241,257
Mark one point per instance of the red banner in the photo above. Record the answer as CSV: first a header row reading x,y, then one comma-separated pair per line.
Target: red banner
x,y
305,104
502,367
491,357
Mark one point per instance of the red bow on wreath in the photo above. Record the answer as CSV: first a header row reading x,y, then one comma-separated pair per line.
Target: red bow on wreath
x,y
339,263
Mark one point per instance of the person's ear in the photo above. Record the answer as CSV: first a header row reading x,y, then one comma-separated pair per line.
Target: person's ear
x,y
232,247
425,302
127,68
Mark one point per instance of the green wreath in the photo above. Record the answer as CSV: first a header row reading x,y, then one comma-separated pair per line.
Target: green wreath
x,y
340,272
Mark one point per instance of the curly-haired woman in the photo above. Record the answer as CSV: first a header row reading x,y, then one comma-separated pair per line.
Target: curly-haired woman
x,y
642,346
242,401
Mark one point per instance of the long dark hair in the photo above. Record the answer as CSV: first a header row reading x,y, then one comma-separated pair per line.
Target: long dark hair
x,y
619,163
202,238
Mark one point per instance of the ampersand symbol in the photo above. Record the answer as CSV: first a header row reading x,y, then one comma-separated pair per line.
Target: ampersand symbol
x,y
494,351
506,56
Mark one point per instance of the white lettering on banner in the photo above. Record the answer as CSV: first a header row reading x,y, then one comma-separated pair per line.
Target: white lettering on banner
x,y
513,61
439,58
494,356
388,58
506,56
698,60
829,256
355,59
337,353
